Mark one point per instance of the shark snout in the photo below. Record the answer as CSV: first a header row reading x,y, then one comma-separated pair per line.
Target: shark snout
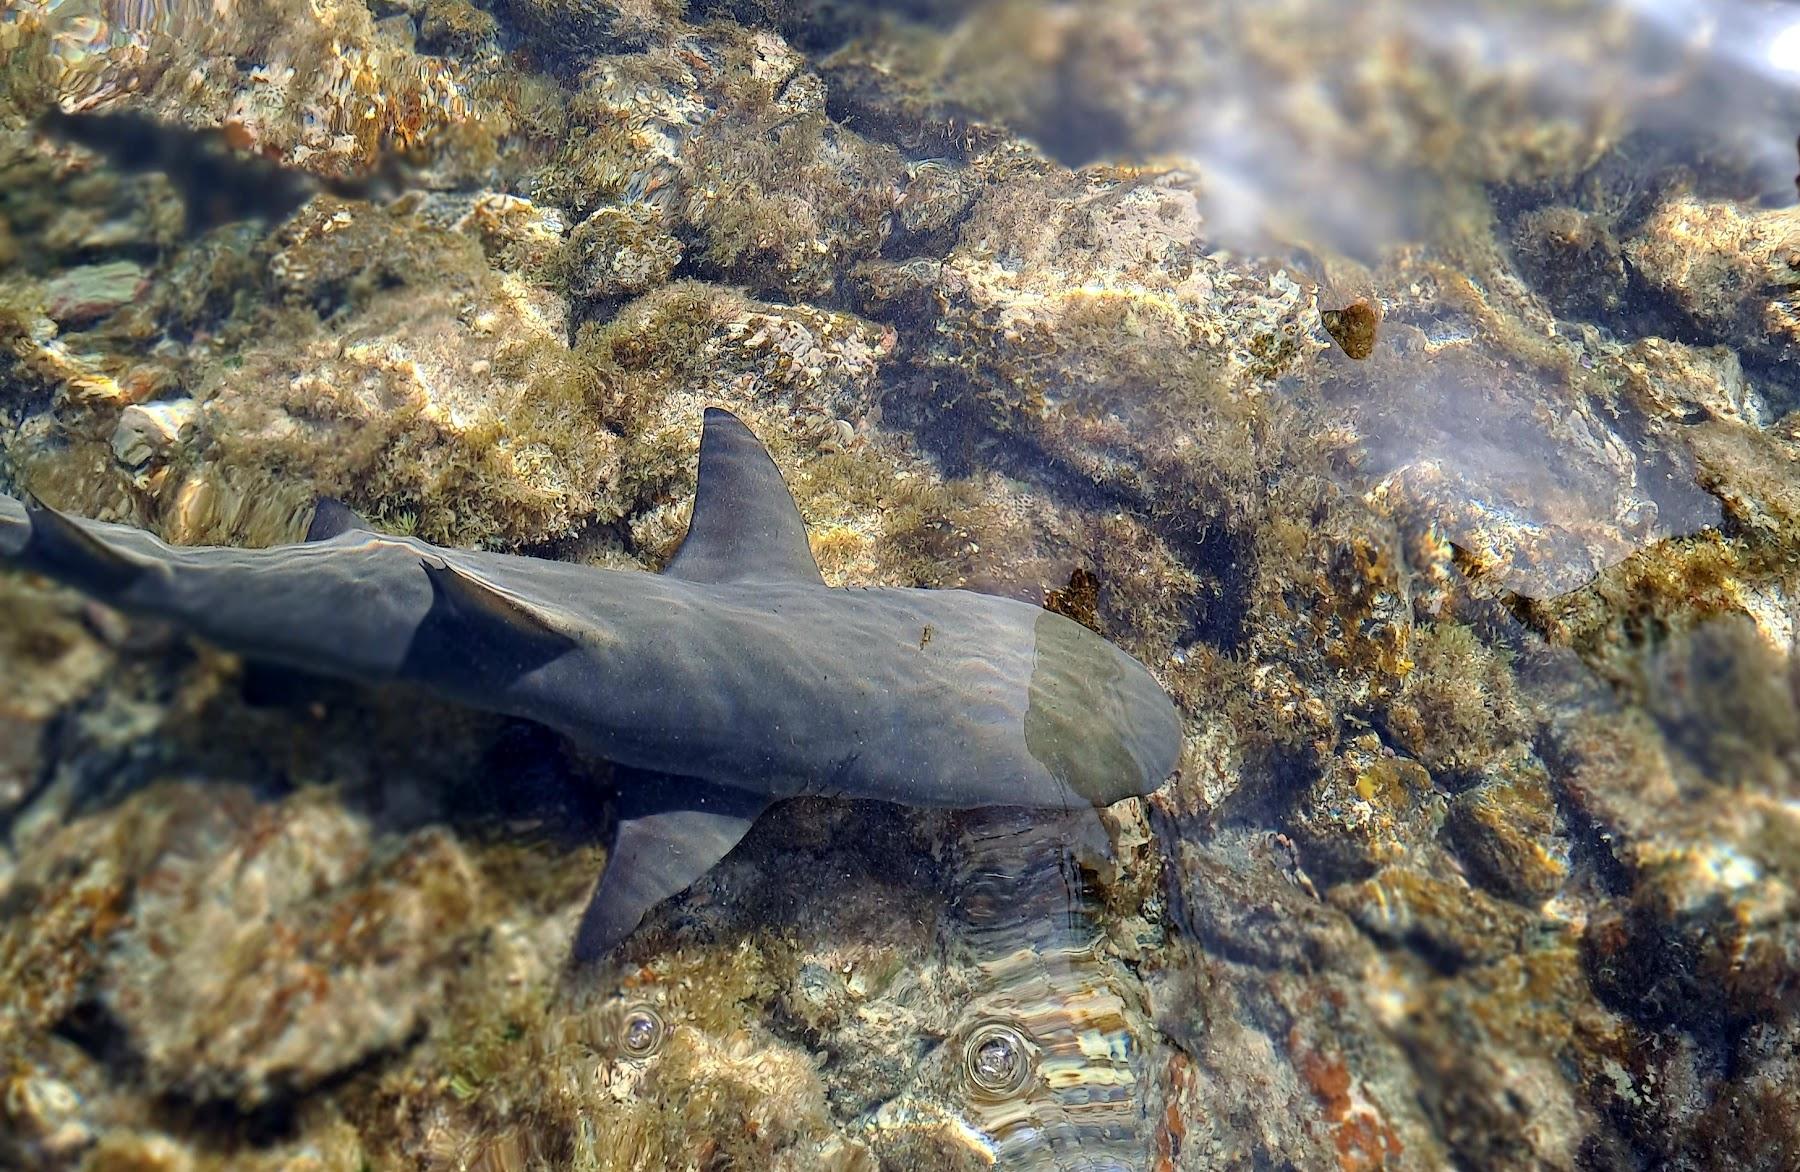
x,y
1096,718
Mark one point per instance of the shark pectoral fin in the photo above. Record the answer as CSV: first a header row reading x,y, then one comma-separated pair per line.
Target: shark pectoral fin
x,y
745,527
477,634
333,518
62,547
659,851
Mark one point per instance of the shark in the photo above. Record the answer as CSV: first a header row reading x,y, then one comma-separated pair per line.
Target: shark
x,y
732,680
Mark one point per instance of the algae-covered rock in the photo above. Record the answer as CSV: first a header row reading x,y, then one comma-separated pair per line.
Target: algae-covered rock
x,y
625,134
720,135
319,86
270,949
590,26
148,432
1481,851
1443,917
786,200
448,404
1458,707
1491,1053
1694,807
1573,258
1076,336
1341,130
1509,831
1291,1005
1732,270
618,253
1754,1123
53,660
456,26
516,235
44,1120
1244,896
1673,381
1537,479
82,295
1368,808
77,888
1327,589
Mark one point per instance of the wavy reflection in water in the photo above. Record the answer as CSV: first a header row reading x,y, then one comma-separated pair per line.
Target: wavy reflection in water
x,y
1007,1035
1050,1015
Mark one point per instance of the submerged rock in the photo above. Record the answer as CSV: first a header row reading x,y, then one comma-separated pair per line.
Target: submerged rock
x,y
1734,271
270,949
148,432
1511,834
1368,808
1573,259
451,406
53,660
618,253
83,295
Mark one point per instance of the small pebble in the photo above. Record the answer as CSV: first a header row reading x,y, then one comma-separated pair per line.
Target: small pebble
x,y
149,431
1353,328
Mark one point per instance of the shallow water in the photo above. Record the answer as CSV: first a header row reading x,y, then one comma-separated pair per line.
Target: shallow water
x,y
1410,387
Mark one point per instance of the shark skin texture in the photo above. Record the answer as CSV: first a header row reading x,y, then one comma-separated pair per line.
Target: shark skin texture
x,y
736,670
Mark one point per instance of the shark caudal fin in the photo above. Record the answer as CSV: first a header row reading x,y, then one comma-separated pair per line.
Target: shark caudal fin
x,y
745,527
672,830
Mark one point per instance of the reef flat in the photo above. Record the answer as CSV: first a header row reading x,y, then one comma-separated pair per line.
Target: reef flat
x,y
1455,505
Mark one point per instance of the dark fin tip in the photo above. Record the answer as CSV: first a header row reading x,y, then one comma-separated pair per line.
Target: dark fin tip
x,y
477,634
61,545
333,518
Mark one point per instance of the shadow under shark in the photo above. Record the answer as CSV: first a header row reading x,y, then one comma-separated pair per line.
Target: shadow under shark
x,y
736,668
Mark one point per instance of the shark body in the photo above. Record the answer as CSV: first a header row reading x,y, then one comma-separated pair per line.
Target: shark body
x,y
736,669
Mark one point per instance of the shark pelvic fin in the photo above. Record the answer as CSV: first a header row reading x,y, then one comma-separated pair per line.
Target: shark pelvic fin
x,y
664,843
477,634
63,547
745,527
333,518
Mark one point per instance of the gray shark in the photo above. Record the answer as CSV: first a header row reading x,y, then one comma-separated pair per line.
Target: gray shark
x,y
736,670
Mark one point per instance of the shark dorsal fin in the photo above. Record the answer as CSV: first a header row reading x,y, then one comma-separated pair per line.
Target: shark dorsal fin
x,y
745,526
333,518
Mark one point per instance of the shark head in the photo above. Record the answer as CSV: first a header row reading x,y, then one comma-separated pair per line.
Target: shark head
x,y
1096,719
